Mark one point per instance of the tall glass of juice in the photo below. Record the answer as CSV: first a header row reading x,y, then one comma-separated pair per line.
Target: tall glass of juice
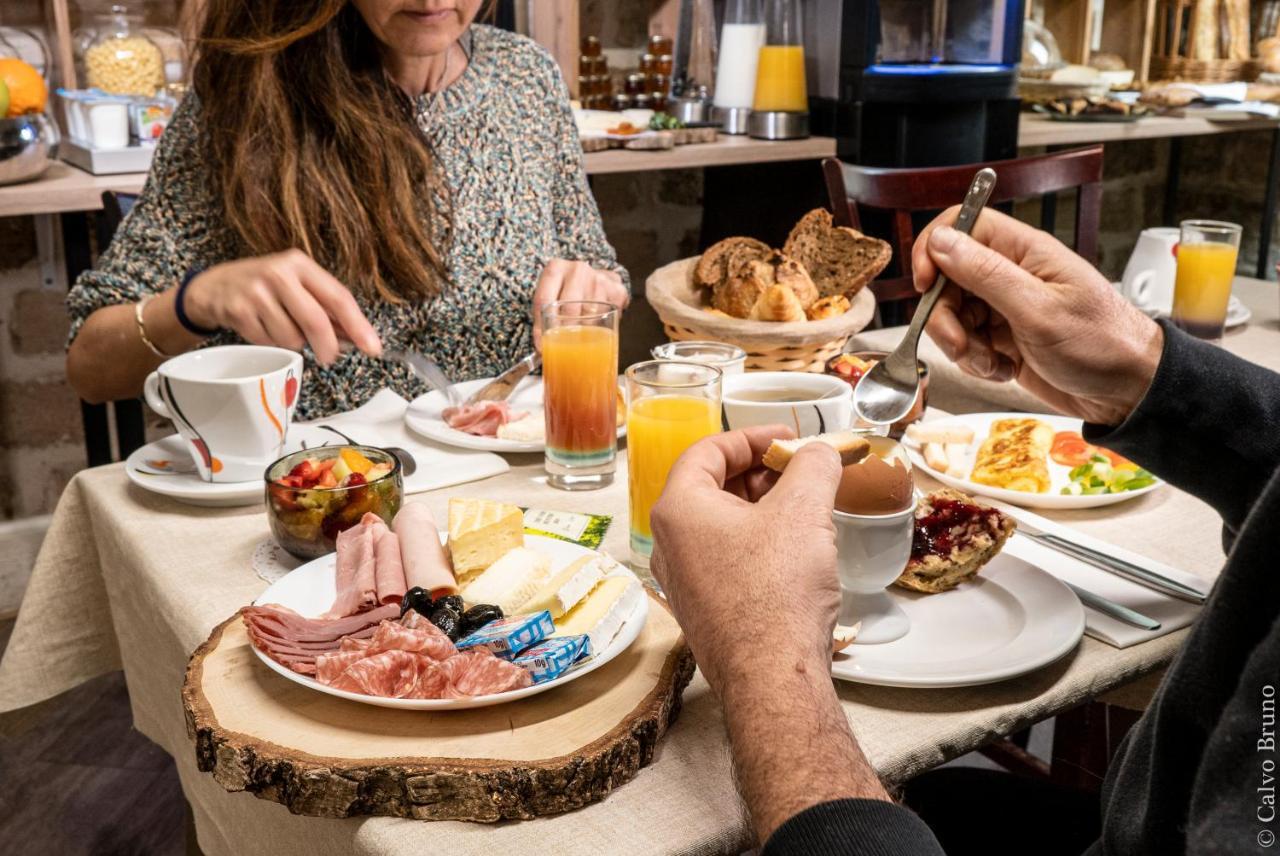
x,y
670,406
1207,251
580,387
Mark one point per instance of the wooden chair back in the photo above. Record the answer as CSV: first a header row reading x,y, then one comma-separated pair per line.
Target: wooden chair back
x,y
902,192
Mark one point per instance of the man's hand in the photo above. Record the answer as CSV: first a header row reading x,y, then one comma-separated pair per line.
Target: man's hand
x,y
1021,305
569,280
748,562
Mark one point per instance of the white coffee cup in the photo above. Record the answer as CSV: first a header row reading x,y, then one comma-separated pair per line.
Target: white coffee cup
x,y
231,404
1149,276
816,403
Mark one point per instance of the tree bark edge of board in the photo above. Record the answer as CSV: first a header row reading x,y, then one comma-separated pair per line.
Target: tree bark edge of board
x,y
424,789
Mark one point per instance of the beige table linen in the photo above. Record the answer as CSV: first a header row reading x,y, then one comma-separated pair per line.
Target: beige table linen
x,y
128,579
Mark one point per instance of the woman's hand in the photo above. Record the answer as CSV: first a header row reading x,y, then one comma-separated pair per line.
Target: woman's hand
x,y
284,299
567,280
748,558
1021,305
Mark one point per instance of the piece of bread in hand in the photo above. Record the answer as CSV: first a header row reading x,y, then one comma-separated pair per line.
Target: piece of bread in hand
x,y
840,260
954,537
853,447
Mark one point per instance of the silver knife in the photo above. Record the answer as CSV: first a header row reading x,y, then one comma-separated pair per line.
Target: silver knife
x,y
1112,564
1113,609
501,386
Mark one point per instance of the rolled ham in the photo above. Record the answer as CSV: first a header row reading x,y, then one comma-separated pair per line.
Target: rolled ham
x,y
388,565
425,562
483,418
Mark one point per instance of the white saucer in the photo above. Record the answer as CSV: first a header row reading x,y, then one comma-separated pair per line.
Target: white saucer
x,y
1011,619
1237,312
165,467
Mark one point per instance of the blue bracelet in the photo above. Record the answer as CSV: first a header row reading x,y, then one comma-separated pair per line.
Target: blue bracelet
x,y
180,310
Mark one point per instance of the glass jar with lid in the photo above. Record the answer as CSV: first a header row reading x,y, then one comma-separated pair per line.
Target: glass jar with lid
x,y
121,60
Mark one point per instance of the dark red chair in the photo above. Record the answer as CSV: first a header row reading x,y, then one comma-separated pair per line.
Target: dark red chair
x,y
902,192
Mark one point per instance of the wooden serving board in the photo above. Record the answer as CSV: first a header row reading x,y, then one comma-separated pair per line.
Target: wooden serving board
x,y
329,757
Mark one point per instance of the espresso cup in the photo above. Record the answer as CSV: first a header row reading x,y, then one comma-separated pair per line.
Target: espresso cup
x,y
1149,274
232,406
871,552
806,402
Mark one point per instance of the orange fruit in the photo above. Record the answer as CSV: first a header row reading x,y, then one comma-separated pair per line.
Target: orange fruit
x,y
356,461
27,92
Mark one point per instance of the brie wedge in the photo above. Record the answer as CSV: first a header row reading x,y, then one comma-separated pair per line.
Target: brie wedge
x,y
510,581
564,590
602,613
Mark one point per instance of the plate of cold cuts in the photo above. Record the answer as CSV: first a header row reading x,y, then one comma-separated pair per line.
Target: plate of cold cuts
x,y
515,425
383,621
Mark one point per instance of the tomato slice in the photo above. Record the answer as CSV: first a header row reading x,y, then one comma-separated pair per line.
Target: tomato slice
x,y
1117,460
1070,449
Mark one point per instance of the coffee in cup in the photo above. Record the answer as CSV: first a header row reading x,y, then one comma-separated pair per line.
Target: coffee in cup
x,y
806,402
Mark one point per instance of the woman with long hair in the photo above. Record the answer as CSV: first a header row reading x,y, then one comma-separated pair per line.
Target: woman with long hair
x,y
347,177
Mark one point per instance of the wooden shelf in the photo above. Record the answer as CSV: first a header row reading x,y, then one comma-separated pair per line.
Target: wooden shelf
x,y
1042,131
66,188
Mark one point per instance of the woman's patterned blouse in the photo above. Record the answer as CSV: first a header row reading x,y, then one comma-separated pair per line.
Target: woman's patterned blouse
x,y
505,137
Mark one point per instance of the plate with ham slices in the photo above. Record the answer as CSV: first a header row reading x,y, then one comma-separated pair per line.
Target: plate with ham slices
x,y
384,621
514,425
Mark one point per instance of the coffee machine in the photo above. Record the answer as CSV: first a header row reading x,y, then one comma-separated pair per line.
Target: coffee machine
x,y
915,82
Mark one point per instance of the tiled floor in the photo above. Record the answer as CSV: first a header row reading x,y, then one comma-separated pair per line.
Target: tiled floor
x,y
79,780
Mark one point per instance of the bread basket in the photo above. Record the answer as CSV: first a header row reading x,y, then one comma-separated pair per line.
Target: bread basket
x,y
803,346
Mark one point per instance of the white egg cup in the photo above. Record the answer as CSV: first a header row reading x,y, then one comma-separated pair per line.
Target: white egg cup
x,y
872,551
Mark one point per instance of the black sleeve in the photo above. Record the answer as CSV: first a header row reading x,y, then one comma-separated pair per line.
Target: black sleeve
x,y
1209,424
854,827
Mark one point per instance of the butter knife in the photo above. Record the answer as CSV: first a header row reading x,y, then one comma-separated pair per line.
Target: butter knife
x,y
501,386
1113,609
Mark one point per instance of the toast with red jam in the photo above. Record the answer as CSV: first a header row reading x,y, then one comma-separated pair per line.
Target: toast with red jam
x,y
954,537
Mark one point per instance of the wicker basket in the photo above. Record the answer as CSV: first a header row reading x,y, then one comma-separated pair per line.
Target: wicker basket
x,y
1203,70
803,346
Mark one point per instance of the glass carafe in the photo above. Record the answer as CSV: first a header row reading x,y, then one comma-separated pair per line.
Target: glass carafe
x,y
780,80
740,40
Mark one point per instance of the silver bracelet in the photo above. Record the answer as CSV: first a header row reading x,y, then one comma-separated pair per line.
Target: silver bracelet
x,y
142,327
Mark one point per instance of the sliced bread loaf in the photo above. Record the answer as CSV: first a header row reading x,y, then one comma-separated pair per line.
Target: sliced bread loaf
x,y
839,259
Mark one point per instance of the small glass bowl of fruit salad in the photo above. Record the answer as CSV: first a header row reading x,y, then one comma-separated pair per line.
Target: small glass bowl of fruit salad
x,y
314,494
853,366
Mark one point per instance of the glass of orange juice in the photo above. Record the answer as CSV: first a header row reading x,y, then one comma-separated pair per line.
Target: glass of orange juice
x,y
780,80
1207,251
580,388
670,406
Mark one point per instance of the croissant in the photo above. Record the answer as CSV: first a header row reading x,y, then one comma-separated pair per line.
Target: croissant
x,y
829,307
778,303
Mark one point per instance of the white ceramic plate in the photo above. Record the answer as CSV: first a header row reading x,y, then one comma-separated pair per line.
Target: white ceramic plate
x,y
425,416
1011,619
310,590
1058,474
165,467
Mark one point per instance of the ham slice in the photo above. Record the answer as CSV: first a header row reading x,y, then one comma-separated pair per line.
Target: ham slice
x,y
483,418
388,569
411,658
425,563
370,570
297,642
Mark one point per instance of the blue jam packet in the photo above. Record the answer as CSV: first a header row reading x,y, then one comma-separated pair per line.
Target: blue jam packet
x,y
507,637
547,660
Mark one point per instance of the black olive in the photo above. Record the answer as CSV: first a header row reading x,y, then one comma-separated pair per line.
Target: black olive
x,y
478,616
453,601
418,599
448,621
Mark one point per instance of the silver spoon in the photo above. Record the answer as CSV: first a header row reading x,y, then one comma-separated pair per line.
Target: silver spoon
x,y
408,464
885,394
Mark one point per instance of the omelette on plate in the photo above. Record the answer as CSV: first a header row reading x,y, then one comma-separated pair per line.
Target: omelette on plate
x,y
1014,456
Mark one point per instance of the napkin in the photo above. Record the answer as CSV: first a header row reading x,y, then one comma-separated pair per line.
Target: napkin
x,y
380,422
1172,613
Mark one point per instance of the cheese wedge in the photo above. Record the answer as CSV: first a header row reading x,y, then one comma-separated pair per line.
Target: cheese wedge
x,y
601,614
531,429
510,581
480,533
569,586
